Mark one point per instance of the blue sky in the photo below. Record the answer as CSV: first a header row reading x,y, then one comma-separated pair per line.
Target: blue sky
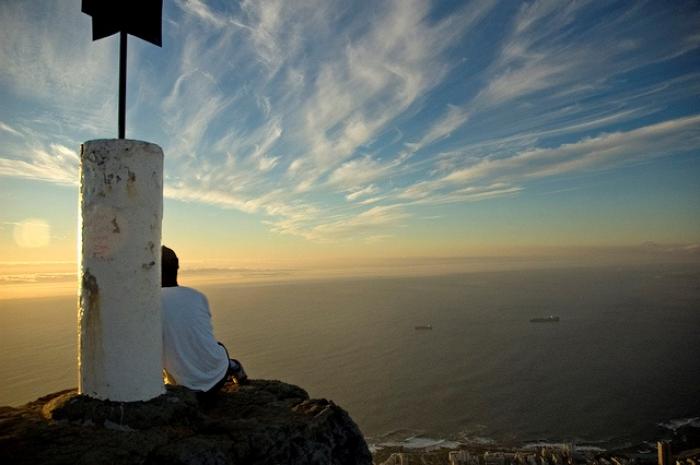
x,y
374,126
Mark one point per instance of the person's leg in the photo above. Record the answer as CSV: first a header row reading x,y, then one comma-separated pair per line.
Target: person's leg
x,y
235,368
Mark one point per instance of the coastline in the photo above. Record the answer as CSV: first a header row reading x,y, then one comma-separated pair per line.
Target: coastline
x,y
681,434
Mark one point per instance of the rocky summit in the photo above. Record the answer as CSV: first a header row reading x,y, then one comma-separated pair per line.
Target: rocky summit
x,y
263,422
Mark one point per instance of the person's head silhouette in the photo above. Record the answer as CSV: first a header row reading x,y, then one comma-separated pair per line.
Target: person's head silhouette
x,y
169,265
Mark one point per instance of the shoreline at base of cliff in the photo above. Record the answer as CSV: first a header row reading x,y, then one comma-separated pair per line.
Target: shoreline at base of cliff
x,y
682,437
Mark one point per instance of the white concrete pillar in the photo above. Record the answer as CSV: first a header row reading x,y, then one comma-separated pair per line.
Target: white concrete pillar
x,y
121,206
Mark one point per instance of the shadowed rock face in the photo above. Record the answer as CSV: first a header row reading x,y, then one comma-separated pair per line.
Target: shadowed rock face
x,y
264,422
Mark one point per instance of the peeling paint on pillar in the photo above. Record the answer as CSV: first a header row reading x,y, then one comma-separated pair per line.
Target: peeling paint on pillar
x,y
121,206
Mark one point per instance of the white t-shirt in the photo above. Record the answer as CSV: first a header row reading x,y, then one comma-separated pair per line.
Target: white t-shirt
x,y
191,355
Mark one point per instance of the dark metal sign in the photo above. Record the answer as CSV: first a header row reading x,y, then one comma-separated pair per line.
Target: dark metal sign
x,y
140,18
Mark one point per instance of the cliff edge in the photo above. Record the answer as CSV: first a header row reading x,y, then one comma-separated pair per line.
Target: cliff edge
x,y
263,422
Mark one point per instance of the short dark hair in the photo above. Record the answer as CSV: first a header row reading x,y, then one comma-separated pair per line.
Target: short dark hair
x,y
169,265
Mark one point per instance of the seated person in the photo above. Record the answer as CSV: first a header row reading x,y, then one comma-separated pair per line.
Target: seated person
x,y
191,355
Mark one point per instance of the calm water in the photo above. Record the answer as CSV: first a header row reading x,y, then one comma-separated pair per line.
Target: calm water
x,y
623,358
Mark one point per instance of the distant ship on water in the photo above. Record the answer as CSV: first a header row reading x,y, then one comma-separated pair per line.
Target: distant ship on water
x,y
424,327
546,319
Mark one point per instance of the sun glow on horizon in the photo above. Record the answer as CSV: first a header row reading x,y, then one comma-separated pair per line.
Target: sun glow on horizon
x,y
32,233
41,279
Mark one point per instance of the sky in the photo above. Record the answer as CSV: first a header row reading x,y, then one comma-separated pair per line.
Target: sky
x,y
301,132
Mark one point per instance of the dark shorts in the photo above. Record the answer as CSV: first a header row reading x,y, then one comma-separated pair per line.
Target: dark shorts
x,y
207,397
223,380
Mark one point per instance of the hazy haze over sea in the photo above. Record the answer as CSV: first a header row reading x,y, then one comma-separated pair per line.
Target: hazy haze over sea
x,y
622,359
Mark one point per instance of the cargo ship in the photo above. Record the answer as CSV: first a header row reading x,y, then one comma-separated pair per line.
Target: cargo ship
x,y
546,319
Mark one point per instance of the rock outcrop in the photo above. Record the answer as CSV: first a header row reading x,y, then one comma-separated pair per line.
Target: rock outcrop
x,y
263,422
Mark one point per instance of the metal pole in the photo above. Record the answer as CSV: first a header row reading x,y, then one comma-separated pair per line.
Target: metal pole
x,y
122,83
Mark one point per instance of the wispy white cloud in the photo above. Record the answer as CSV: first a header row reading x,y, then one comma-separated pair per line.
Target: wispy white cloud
x,y
591,153
261,153
272,30
200,10
56,164
540,54
360,171
212,197
369,190
453,118
375,79
362,224
190,123
371,200
468,194
10,129
47,53
568,122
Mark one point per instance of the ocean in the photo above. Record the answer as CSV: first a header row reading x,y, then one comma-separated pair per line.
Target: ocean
x,y
622,360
